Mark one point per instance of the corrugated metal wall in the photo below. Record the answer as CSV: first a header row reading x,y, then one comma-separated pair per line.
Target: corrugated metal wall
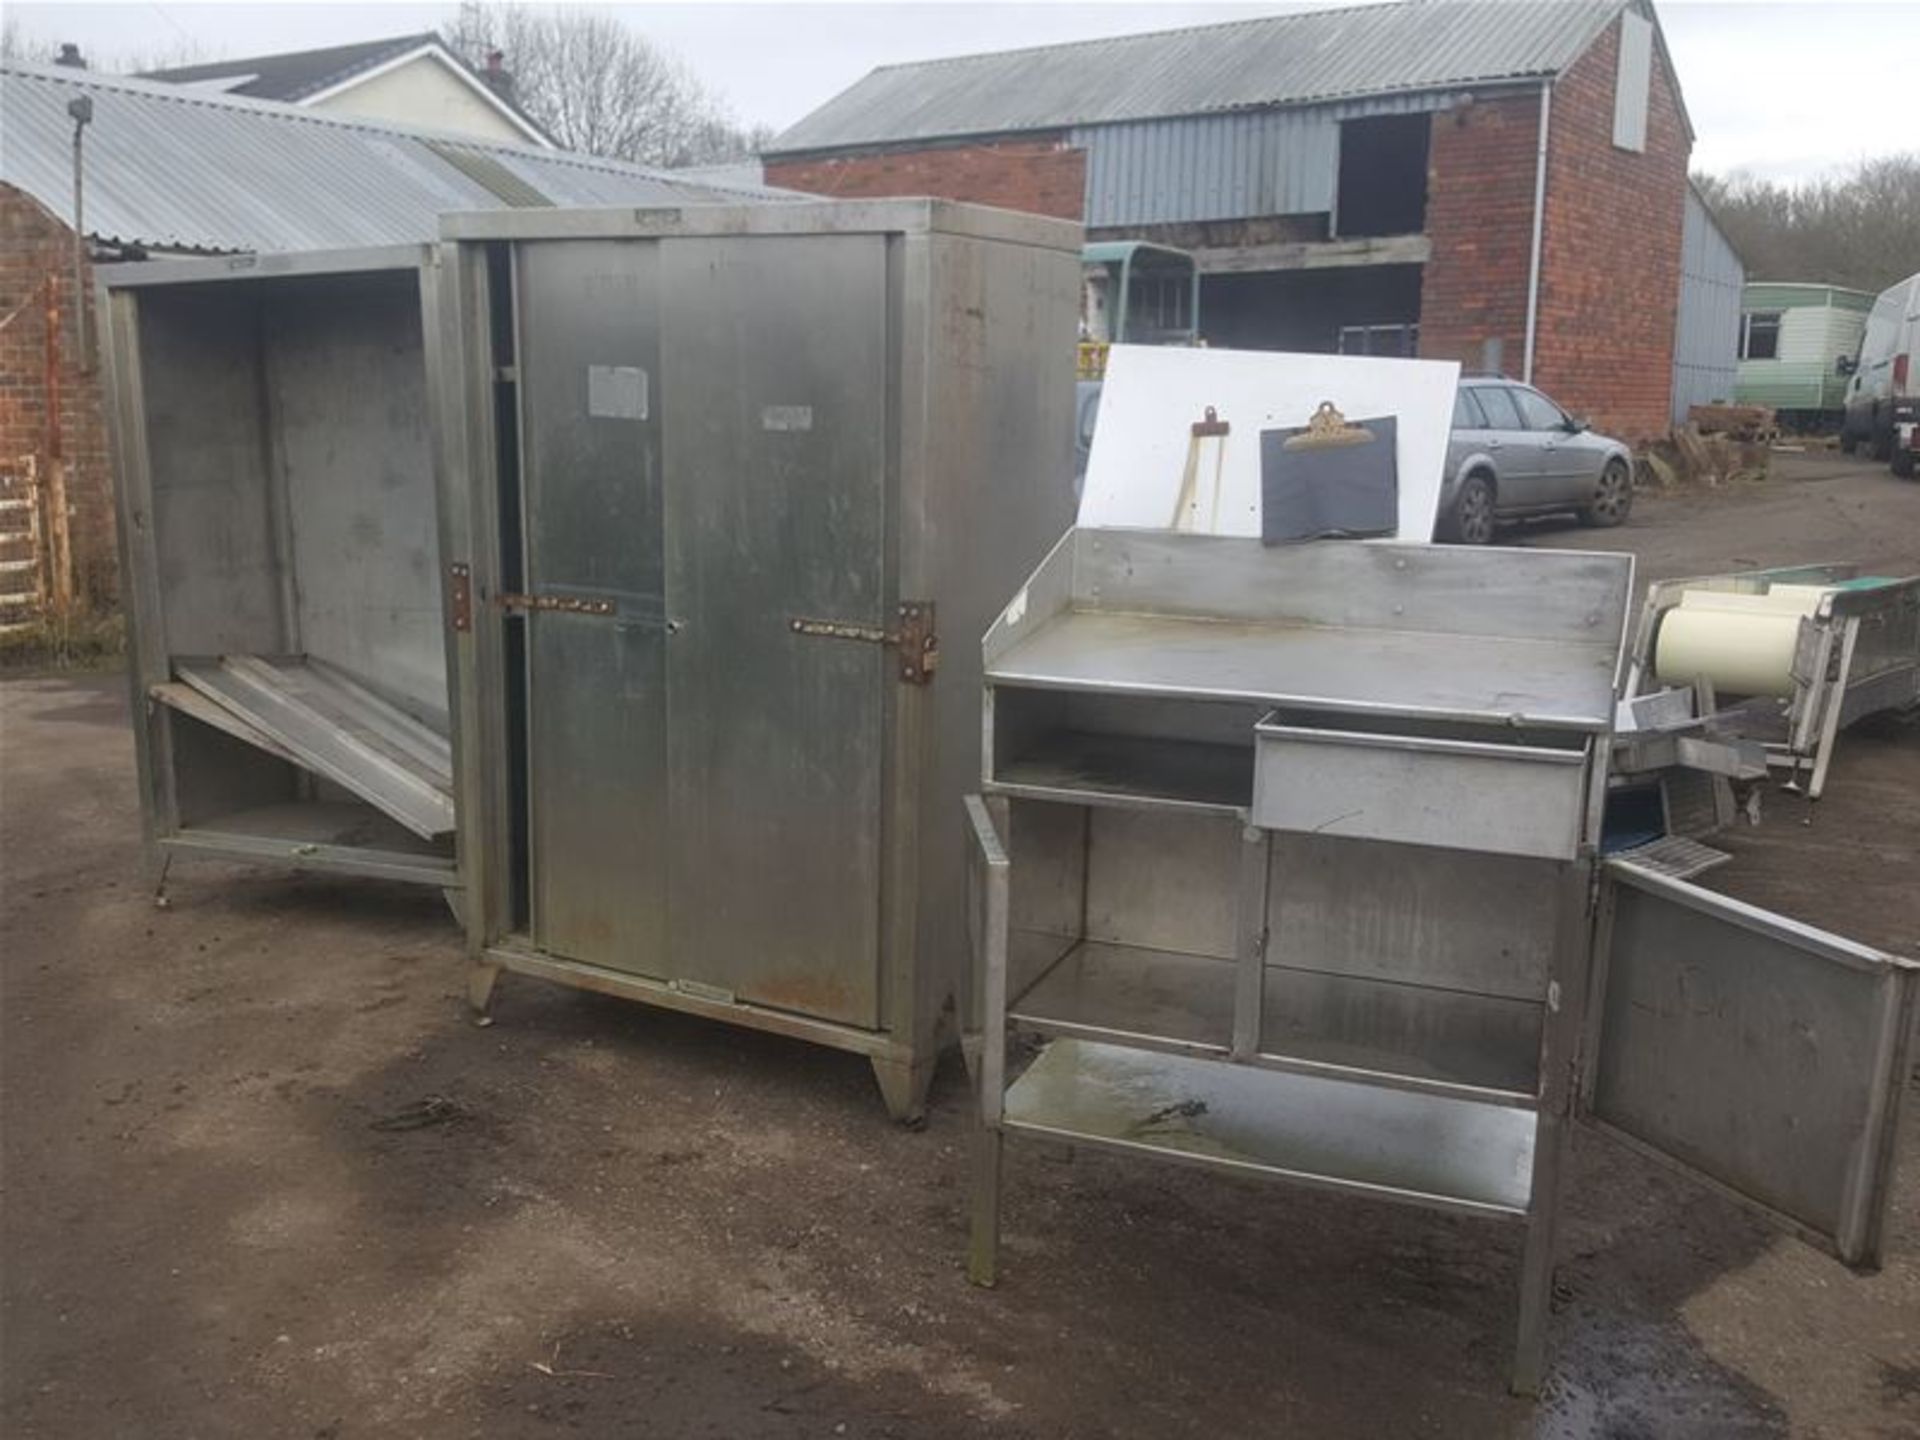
x,y
1226,166
1706,341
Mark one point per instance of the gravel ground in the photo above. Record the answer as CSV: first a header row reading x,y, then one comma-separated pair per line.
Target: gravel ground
x,y
262,1176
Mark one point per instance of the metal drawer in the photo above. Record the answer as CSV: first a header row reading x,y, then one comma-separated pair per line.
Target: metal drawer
x,y
1419,790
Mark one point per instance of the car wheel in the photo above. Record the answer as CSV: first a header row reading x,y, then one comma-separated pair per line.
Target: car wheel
x,y
1473,511
1612,497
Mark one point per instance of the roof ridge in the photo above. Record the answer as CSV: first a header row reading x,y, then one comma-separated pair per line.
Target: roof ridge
x,y
300,114
1283,16
420,37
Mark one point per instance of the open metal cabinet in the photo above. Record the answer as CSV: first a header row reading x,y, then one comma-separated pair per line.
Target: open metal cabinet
x,y
1285,865
730,475
280,544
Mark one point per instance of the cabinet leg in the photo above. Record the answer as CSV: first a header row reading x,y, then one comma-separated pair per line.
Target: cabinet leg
x,y
904,1085
480,983
983,1245
1536,1264
157,873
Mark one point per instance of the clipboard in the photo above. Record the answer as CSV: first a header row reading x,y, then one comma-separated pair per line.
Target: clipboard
x,y
1329,479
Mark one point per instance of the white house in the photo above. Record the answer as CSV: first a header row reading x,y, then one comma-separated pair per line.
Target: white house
x,y
412,80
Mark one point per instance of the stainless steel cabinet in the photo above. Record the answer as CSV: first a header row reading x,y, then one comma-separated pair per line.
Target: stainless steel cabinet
x,y
281,561
727,477
1287,860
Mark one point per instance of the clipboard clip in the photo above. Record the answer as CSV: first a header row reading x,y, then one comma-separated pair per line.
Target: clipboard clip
x,y
1211,425
1327,429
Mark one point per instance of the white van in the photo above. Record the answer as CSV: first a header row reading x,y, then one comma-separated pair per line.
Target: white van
x,y
1883,398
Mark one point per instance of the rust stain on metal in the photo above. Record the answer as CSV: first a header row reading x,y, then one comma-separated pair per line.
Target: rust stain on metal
x,y
59,551
826,997
914,640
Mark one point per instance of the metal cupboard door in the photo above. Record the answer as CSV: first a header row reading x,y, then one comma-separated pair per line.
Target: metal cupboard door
x,y
1760,1055
596,666
776,402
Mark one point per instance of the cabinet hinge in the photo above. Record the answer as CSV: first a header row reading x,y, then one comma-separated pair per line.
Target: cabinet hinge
x,y
460,597
572,604
914,640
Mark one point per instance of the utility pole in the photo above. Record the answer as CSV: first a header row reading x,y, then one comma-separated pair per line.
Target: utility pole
x,y
81,109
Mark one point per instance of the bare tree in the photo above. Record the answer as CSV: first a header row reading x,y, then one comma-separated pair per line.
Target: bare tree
x,y
596,86
173,55
1860,228
19,43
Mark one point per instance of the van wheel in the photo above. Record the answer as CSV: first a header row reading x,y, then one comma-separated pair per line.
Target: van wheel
x,y
1612,498
1903,463
1472,522
1880,441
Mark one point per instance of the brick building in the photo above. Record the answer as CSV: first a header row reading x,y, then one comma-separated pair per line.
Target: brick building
x,y
170,170
55,483
1497,182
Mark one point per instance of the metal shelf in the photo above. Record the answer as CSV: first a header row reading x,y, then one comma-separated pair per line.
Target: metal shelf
x,y
1432,675
346,836
1153,999
1413,1037
1125,770
1438,1151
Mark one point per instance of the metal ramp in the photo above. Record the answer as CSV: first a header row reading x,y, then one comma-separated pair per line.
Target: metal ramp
x,y
305,711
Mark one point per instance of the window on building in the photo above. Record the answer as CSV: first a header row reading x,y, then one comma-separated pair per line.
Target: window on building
x,y
1536,411
1632,82
1400,341
1383,176
1760,335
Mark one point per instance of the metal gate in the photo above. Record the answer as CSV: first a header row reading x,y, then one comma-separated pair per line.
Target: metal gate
x,y
22,564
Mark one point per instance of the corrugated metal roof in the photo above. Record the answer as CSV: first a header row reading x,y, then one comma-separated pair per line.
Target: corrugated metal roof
x,y
175,169
1297,59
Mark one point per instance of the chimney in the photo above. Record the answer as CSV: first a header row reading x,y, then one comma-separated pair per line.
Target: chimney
x,y
71,57
497,77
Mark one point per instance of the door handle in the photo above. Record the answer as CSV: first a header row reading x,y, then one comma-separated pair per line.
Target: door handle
x,y
1493,444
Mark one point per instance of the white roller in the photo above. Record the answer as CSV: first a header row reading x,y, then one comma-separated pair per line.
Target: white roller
x,y
1743,643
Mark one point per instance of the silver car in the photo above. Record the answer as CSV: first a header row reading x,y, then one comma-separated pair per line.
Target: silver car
x,y
1514,452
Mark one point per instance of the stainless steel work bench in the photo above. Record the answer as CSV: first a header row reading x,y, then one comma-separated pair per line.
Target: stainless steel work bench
x,y
1285,865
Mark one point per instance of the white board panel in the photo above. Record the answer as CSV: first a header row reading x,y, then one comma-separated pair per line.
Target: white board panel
x,y
1154,394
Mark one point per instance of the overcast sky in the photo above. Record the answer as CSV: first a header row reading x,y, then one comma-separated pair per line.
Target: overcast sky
x,y
1786,90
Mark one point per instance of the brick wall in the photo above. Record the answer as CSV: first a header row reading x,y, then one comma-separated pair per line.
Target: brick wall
x,y
1041,174
1610,247
1610,274
1481,163
36,248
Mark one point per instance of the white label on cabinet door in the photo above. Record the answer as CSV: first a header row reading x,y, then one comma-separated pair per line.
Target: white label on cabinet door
x,y
617,392
786,417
